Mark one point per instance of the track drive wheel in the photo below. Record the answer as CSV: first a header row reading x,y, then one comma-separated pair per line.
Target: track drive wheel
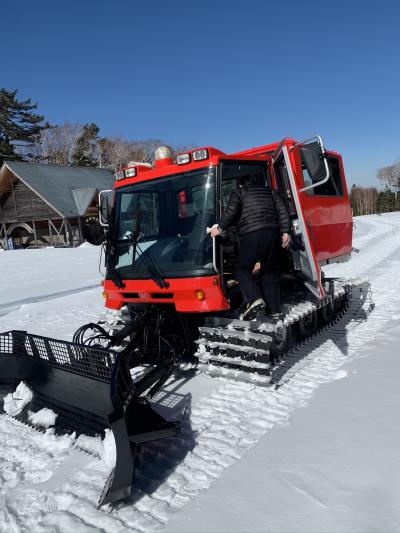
x,y
307,325
281,344
328,312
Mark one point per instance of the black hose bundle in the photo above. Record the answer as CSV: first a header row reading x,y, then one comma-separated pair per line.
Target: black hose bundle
x,y
98,337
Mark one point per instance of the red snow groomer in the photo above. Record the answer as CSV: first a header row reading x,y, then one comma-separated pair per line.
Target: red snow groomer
x,y
164,212
178,294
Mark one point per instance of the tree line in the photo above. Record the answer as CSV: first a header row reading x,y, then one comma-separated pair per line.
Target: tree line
x,y
26,136
368,200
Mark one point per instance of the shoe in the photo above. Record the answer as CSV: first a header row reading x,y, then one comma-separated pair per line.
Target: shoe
x,y
252,309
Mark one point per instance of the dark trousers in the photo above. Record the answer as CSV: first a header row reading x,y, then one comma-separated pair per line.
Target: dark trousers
x,y
263,246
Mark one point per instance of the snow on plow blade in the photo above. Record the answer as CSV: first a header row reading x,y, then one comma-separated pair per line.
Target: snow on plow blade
x,y
90,389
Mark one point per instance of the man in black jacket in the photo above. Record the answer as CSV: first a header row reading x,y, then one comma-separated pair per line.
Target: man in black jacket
x,y
263,220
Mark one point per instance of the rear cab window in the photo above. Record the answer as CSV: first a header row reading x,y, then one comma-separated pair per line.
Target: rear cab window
x,y
333,187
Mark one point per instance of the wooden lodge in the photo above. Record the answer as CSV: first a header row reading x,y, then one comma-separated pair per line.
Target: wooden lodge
x,y
50,205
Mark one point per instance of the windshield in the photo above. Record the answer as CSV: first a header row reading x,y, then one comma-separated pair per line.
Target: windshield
x,y
165,219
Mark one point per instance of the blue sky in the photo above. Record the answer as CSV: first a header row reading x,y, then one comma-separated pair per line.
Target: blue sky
x,y
229,74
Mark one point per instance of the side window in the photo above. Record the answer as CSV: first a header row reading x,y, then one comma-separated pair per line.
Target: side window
x,y
145,203
234,173
333,187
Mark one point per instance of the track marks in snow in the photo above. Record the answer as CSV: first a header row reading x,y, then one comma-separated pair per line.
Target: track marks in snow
x,y
8,307
294,482
375,247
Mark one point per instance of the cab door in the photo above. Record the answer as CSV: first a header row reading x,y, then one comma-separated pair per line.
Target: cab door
x,y
302,246
326,207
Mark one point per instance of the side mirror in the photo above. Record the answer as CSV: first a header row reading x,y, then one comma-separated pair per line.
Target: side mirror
x,y
105,206
313,158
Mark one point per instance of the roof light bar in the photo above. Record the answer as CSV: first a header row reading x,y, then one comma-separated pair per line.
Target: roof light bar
x,y
199,155
183,159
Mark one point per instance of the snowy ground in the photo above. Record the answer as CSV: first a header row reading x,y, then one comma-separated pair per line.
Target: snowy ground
x,y
319,454
32,276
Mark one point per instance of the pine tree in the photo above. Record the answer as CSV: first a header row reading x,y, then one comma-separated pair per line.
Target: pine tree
x,y
85,153
386,201
18,123
381,208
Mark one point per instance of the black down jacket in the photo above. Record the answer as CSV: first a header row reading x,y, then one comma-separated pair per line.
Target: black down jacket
x,y
255,207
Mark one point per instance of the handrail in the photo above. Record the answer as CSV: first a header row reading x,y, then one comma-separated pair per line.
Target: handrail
x,y
214,260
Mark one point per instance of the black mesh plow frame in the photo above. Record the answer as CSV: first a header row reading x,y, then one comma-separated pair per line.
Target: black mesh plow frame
x,y
90,388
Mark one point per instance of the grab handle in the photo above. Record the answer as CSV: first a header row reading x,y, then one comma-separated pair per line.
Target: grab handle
x,y
214,259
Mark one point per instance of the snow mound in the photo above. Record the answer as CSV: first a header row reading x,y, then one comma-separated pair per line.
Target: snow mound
x,y
340,374
104,448
15,402
93,445
109,452
86,245
45,417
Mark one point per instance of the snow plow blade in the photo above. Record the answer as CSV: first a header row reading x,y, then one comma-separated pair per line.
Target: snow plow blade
x,y
91,389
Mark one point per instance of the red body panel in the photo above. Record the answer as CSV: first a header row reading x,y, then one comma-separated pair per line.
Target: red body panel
x,y
181,292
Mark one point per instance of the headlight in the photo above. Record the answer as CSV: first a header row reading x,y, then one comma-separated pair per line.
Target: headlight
x,y
199,155
120,175
182,159
130,172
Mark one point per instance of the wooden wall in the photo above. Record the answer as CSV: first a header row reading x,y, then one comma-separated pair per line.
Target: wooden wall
x,y
18,203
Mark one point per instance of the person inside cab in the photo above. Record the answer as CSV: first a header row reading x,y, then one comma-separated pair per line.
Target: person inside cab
x,y
264,226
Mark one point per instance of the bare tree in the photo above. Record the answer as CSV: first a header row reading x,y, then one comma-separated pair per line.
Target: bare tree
x,y
117,152
363,200
113,152
144,150
56,144
391,176
370,200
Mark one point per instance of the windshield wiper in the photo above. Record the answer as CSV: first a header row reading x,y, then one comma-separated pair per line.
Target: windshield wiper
x,y
152,268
